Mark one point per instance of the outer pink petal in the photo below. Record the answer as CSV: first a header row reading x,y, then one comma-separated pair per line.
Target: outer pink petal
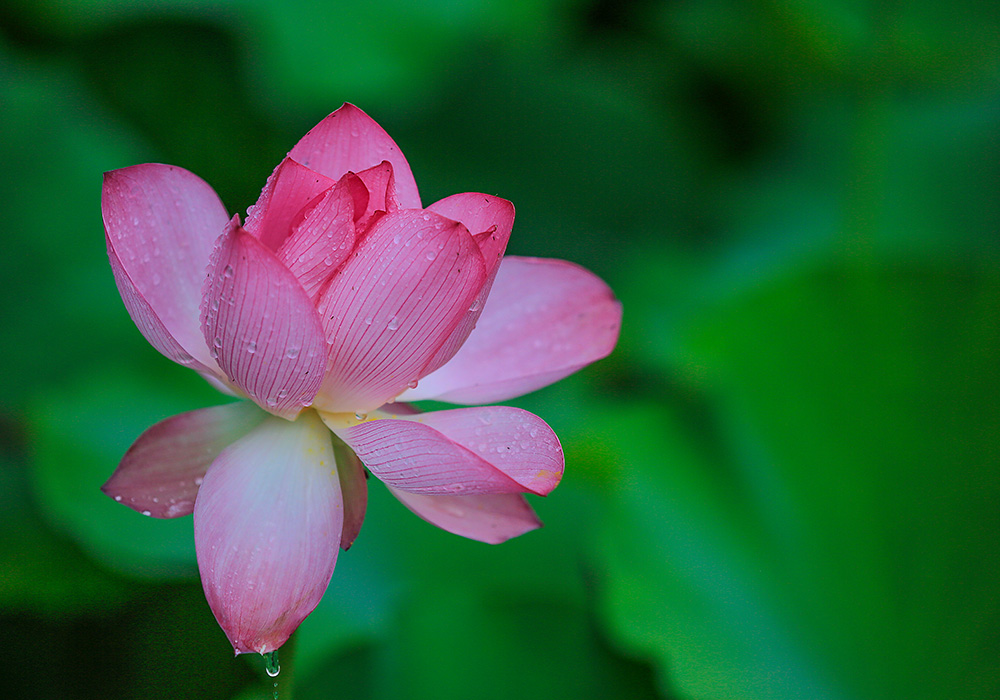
x,y
161,223
262,325
323,239
350,141
288,190
544,319
354,487
491,220
161,472
267,526
491,517
389,308
493,449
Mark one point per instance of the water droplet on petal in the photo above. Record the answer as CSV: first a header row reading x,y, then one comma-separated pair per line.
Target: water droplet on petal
x,y
412,384
146,512
227,271
431,254
475,305
292,353
360,416
217,342
393,323
271,664
118,498
251,347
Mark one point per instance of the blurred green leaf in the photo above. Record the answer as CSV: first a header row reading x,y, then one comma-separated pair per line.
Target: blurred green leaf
x,y
858,423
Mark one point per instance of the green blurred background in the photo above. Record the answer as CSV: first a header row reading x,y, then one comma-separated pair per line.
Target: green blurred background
x,y
783,484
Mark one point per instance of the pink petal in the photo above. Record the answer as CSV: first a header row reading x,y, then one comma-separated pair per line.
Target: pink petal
x,y
392,304
262,325
160,223
267,526
323,239
491,219
381,185
288,190
350,141
354,487
544,319
493,449
161,472
490,517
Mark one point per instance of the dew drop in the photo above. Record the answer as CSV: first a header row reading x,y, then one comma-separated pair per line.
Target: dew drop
x,y
426,217
251,347
198,480
146,512
431,254
271,664
475,305
360,416
214,352
368,320
393,323
227,272
292,353
217,342
118,498
412,384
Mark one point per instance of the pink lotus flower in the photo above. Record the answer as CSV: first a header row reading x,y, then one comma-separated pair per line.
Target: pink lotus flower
x,y
339,296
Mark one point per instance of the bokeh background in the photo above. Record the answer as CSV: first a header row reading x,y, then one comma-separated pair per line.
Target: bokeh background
x,y
783,483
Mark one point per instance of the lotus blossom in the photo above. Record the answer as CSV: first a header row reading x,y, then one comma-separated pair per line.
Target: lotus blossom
x,y
336,302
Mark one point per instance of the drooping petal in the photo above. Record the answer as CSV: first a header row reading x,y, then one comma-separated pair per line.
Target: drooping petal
x,y
160,223
350,141
354,487
491,220
262,325
161,472
492,449
323,239
389,308
490,517
267,525
544,320
288,190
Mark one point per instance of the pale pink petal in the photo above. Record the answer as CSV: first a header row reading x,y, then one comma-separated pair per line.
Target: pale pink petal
x,y
161,472
160,223
287,192
267,526
389,308
490,517
354,487
350,141
381,186
492,449
323,239
544,319
491,220
262,326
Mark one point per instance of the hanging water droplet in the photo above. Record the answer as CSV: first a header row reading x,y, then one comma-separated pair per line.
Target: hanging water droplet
x,y
393,323
271,664
214,352
412,384
227,271
360,416
475,305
